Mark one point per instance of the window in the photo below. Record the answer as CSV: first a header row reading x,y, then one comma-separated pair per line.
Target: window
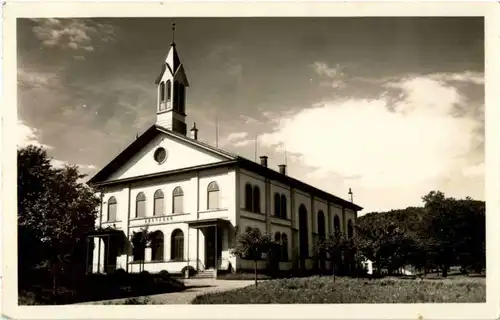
x,y
160,155
256,199
112,209
213,196
162,91
284,247
248,197
140,205
321,225
176,96
178,200
157,246
336,224
350,229
303,233
277,205
169,90
182,97
177,246
283,206
158,209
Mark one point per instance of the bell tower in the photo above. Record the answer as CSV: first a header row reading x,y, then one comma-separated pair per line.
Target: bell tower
x,y
171,93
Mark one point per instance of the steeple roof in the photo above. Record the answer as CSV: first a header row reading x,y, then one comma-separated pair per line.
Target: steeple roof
x,y
172,63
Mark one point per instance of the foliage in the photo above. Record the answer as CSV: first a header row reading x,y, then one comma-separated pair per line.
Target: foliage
x,y
352,290
252,245
55,210
442,233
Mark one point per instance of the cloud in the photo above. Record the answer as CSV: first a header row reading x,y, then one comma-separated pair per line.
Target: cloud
x,y
467,76
36,79
235,136
403,141
74,34
27,135
61,164
332,76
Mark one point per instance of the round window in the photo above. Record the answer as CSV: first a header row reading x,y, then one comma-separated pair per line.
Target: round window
x,y
160,155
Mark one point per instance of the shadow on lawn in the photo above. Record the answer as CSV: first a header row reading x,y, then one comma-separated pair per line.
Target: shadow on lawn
x,y
96,287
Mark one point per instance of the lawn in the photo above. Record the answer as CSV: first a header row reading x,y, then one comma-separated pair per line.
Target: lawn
x,y
349,290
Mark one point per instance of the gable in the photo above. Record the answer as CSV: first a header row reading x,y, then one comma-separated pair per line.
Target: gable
x,y
180,154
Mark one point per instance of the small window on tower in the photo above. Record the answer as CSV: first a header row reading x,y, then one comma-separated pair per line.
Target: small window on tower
x,y
162,91
169,90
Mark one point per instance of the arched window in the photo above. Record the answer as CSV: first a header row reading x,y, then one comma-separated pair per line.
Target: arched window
x,y
336,224
284,247
158,203
321,225
177,245
162,91
277,205
248,197
283,207
213,195
176,96
140,205
182,97
256,199
112,209
157,246
303,233
178,200
350,229
169,90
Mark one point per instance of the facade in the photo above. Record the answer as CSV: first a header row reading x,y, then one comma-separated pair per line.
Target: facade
x,y
193,198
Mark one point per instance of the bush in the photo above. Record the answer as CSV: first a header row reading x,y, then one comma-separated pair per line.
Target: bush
x,y
192,271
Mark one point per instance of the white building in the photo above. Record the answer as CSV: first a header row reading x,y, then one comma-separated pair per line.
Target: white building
x,y
193,196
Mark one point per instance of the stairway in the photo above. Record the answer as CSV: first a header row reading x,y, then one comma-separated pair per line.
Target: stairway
x,y
205,274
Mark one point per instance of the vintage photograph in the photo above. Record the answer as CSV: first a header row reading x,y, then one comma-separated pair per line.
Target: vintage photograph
x,y
251,160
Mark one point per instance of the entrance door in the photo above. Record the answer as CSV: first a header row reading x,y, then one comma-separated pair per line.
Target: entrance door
x,y
210,247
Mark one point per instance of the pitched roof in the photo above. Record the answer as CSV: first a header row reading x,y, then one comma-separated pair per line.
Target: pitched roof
x,y
143,139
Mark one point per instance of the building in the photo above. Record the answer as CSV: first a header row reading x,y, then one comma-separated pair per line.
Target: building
x,y
193,197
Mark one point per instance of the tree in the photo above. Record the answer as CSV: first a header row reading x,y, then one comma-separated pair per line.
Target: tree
x,y
251,245
332,246
142,239
55,210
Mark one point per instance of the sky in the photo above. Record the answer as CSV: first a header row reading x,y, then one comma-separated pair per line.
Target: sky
x,y
392,108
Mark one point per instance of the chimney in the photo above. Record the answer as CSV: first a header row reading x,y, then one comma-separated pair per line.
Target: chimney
x,y
263,161
194,132
282,168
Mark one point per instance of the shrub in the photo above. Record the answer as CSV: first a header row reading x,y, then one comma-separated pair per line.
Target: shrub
x,y
192,271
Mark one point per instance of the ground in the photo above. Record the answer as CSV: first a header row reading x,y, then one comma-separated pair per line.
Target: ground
x,y
195,287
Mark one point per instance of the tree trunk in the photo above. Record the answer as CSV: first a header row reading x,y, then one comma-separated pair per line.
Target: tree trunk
x,y
255,271
445,271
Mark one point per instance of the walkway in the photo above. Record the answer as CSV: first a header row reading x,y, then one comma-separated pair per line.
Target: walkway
x,y
195,287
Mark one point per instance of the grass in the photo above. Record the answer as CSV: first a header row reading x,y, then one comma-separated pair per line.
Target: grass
x,y
349,290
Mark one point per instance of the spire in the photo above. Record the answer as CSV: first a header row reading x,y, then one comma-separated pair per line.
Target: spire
x,y
194,131
173,34
350,195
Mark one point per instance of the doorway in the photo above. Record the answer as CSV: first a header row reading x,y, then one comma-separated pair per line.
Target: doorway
x,y
210,247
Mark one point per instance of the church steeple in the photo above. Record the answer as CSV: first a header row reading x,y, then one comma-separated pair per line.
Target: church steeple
x,y
172,83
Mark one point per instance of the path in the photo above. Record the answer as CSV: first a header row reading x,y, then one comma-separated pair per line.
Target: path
x,y
195,287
